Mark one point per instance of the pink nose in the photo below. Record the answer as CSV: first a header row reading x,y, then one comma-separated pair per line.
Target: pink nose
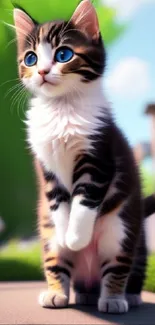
x,y
43,72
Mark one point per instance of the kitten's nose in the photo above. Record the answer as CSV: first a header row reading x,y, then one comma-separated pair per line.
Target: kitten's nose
x,y
43,72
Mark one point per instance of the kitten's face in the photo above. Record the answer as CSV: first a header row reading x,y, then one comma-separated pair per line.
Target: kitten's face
x,y
59,57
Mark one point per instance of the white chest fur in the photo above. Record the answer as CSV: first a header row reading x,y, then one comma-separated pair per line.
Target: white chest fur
x,y
58,131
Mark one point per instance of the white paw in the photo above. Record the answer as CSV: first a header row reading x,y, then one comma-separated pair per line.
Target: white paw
x,y
81,225
50,299
113,305
75,243
134,300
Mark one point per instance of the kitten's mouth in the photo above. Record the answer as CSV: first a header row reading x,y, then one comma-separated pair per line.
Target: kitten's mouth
x,y
47,83
52,83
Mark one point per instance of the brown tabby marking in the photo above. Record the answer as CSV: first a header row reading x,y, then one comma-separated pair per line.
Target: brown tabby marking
x,y
26,72
55,262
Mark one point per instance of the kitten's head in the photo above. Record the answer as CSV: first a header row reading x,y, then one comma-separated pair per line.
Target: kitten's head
x,y
60,57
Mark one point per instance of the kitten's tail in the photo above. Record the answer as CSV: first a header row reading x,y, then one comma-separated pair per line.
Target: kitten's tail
x,y
149,205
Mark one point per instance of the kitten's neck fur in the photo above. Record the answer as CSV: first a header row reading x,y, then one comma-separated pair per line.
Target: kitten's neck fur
x,y
75,114
90,92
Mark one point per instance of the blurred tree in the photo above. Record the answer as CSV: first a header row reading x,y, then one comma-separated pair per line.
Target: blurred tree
x,y
17,180
17,185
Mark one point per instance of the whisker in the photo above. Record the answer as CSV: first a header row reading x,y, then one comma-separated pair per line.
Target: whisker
x,y
66,25
12,89
15,28
5,82
11,42
20,101
16,96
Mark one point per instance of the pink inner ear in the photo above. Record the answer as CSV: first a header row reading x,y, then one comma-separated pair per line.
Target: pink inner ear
x,y
85,19
24,25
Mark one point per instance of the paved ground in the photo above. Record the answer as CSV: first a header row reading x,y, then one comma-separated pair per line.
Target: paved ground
x,y
18,305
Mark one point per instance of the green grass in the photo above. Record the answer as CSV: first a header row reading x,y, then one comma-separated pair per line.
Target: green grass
x,y
147,181
17,264
150,279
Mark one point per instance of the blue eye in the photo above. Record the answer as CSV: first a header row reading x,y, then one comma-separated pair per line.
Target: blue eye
x,y
64,54
30,59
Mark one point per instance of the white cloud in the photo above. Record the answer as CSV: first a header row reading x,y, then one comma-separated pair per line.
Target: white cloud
x,y
126,8
130,78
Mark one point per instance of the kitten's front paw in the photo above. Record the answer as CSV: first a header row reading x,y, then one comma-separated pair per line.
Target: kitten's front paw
x,y
72,242
113,305
75,243
50,299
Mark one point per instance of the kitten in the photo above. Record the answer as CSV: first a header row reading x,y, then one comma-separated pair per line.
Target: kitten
x,y
91,211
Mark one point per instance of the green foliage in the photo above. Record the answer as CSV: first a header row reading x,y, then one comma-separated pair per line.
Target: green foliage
x,y
150,276
17,185
108,26
47,10
148,182
19,264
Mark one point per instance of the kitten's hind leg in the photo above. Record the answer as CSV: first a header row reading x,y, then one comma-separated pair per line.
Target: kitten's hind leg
x,y
58,267
115,266
112,298
57,262
137,277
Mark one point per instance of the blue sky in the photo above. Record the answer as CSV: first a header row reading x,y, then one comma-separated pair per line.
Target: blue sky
x,y
137,45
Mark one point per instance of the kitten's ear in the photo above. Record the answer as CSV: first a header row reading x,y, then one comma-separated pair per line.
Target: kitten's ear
x,y
85,18
24,25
